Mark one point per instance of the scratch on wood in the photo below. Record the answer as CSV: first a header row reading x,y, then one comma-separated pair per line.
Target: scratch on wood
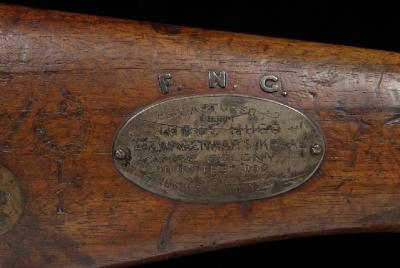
x,y
265,48
383,216
393,120
345,113
348,195
395,159
27,108
19,121
60,206
354,156
166,29
343,180
167,230
340,185
380,81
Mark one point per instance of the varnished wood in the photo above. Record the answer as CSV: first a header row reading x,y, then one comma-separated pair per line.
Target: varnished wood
x,y
68,81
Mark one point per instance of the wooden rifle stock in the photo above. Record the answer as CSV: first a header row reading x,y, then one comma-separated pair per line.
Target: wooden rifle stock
x,y
68,82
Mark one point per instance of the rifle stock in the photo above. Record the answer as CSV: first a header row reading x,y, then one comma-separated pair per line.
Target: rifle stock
x,y
69,81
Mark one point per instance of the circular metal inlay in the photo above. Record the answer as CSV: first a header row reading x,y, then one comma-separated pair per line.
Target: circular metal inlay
x,y
11,200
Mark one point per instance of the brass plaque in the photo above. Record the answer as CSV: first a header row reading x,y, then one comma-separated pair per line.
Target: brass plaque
x,y
218,148
11,200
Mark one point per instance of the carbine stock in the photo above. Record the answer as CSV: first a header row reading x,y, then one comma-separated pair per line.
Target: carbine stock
x,y
68,82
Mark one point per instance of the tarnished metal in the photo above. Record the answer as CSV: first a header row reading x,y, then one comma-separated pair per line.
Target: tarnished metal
x,y
269,89
120,153
214,79
218,148
316,149
11,200
164,82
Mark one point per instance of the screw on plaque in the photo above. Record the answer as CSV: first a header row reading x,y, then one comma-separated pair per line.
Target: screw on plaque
x,y
316,149
120,153
123,154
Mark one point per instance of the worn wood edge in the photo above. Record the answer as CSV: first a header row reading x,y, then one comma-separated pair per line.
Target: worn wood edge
x,y
256,241
357,55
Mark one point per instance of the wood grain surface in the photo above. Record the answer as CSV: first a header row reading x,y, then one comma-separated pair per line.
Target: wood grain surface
x,y
68,82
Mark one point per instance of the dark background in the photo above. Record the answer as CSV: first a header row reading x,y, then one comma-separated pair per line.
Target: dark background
x,y
370,25
374,25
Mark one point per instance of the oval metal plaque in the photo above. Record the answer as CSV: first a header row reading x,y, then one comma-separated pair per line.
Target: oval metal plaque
x,y
218,148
